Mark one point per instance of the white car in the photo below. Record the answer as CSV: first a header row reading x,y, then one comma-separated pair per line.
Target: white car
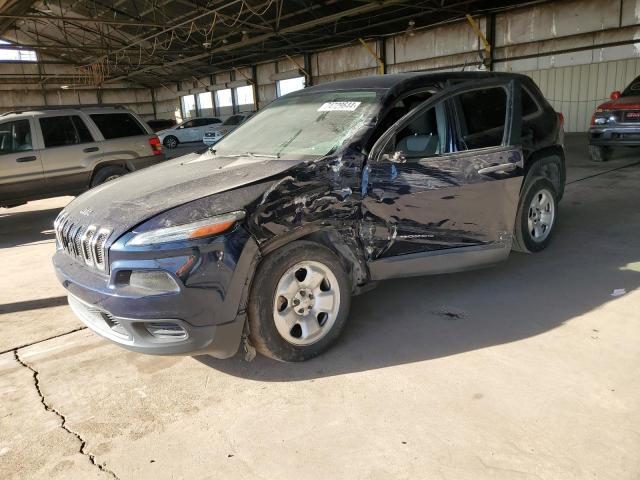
x,y
191,130
216,132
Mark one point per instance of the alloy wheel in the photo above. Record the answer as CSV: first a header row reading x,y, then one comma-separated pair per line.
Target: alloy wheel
x,y
542,212
306,303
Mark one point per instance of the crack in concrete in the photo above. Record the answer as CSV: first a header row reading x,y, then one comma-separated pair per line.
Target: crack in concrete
x,y
43,340
63,418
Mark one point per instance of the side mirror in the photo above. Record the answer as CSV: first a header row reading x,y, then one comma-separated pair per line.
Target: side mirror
x,y
615,95
397,157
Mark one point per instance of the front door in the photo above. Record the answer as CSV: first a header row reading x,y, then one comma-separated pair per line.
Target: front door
x,y
21,173
446,176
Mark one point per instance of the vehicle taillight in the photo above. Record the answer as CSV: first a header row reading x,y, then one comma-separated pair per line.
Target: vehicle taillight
x,y
156,146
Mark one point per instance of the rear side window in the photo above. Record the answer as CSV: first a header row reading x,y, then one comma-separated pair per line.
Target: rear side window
x,y
117,125
15,137
64,130
529,105
482,115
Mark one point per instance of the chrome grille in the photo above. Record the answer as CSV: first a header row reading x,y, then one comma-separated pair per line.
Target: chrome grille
x,y
86,243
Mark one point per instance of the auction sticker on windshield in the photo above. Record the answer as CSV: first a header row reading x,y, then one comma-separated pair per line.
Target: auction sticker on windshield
x,y
339,106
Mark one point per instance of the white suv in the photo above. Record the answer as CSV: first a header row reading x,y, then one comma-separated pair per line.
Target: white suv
x,y
189,131
63,151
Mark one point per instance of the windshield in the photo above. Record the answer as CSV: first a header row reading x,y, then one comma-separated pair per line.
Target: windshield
x,y
633,90
311,124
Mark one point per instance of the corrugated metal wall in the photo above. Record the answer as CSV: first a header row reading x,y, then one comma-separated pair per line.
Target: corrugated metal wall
x,y
577,90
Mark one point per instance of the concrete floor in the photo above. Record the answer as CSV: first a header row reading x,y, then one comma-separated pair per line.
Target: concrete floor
x,y
524,371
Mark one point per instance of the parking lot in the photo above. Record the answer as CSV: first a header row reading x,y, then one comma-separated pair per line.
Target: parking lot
x,y
527,370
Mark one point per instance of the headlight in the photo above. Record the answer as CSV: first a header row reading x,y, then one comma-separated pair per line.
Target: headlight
x,y
200,229
602,117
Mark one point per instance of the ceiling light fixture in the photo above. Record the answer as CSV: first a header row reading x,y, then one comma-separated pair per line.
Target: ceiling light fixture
x,y
206,44
410,32
245,36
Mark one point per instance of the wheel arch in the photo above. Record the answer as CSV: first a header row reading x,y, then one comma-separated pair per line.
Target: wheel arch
x,y
101,165
548,162
341,240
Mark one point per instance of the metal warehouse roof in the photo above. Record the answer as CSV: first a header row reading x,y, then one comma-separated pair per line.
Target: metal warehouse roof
x,y
149,42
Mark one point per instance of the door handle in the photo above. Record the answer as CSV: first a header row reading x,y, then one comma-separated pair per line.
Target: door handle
x,y
26,159
90,149
503,167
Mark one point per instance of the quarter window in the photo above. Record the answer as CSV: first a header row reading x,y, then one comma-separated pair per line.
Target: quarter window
x,y
482,115
15,137
117,125
529,106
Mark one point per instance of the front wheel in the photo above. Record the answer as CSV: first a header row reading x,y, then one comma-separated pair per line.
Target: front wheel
x,y
299,302
536,217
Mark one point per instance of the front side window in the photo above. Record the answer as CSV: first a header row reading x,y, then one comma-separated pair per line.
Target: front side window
x,y
189,124
15,137
117,125
424,135
482,115
64,130
303,125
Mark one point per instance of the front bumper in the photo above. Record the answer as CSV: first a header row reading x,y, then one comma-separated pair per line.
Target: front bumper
x,y
205,315
619,135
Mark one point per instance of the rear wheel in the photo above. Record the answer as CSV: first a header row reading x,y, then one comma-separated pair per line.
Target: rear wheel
x,y
299,302
536,218
171,142
106,174
600,154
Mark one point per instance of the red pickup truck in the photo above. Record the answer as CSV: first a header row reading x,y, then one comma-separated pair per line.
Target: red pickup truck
x,y
616,123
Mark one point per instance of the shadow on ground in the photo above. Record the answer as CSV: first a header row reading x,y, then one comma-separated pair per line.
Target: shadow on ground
x,y
22,228
596,249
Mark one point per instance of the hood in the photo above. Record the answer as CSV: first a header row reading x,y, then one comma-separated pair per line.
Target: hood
x,y
622,103
122,204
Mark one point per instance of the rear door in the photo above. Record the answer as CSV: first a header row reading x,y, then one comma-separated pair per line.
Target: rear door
x,y
69,148
21,173
447,175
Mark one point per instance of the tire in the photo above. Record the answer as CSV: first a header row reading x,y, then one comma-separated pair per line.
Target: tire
x,y
600,154
276,327
171,142
106,174
535,221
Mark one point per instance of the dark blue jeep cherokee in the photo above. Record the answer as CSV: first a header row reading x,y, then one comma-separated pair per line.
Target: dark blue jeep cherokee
x,y
317,197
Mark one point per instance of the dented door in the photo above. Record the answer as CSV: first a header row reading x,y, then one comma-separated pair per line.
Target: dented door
x,y
444,200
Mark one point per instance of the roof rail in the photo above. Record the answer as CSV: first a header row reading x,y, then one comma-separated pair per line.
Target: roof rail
x,y
64,107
